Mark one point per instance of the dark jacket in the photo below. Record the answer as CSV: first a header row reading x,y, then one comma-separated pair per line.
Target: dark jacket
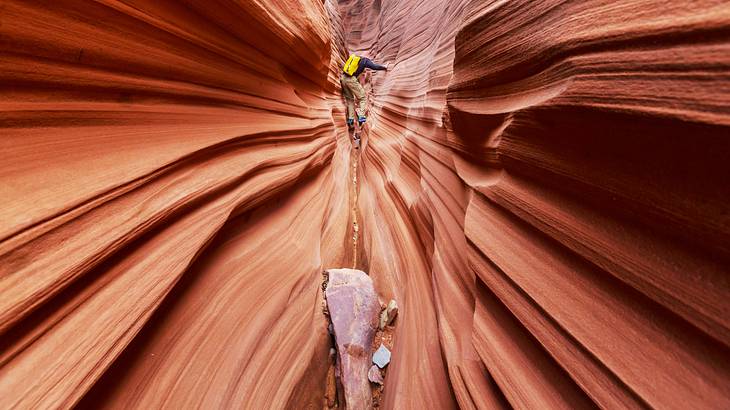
x,y
366,63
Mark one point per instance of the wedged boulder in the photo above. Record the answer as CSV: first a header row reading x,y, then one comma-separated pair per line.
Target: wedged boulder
x,y
354,308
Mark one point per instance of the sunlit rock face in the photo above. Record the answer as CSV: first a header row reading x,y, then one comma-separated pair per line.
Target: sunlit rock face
x,y
543,190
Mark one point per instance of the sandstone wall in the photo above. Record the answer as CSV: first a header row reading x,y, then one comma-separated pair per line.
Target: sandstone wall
x,y
543,189
171,189
554,176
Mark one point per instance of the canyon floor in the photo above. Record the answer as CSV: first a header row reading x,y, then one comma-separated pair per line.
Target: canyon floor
x,y
543,186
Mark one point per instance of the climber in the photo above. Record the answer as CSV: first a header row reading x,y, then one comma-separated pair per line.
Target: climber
x,y
352,89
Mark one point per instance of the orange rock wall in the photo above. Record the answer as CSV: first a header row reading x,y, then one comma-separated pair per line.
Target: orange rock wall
x,y
554,177
171,189
543,189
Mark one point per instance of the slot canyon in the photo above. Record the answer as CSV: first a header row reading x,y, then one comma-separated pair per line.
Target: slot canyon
x,y
543,186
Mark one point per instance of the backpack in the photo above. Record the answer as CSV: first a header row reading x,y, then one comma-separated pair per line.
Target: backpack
x,y
351,64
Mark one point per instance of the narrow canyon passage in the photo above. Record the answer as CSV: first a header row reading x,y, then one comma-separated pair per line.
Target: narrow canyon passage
x,y
542,187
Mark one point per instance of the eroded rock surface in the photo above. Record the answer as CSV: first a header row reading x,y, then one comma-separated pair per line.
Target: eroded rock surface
x,y
542,188
353,307
554,178
172,185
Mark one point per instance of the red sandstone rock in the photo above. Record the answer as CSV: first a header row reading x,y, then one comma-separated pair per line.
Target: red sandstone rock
x,y
543,189
157,158
575,152
331,389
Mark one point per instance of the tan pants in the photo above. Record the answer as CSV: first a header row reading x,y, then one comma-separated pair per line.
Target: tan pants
x,y
352,89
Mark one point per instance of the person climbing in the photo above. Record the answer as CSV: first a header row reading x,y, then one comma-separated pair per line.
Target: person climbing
x,y
352,89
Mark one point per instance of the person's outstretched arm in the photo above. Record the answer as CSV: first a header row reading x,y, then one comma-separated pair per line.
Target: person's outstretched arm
x,y
371,65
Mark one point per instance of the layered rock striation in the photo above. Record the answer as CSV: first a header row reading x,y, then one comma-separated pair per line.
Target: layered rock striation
x,y
170,192
542,187
554,175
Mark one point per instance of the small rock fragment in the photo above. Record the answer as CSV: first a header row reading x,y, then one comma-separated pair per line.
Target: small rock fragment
x,y
374,375
381,357
388,314
392,310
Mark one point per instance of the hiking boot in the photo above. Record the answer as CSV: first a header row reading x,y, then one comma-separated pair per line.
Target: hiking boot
x,y
361,120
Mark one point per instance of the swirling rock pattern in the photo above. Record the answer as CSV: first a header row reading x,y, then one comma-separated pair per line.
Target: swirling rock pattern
x,y
171,189
555,179
543,188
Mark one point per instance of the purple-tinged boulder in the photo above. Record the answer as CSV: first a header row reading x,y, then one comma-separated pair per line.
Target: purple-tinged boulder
x,y
354,308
